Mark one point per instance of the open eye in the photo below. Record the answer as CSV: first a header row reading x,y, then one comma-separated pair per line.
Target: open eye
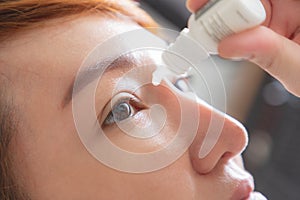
x,y
122,107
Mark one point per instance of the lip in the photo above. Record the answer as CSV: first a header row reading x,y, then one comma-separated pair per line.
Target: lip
x,y
243,190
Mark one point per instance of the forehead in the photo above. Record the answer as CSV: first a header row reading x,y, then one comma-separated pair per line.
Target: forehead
x,y
60,43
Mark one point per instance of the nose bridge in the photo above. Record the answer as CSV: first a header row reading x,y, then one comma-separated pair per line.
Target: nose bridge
x,y
219,136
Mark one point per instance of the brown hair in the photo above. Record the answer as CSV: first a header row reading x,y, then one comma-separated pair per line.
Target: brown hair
x,y
8,125
17,16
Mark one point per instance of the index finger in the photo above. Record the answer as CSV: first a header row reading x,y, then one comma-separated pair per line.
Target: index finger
x,y
194,5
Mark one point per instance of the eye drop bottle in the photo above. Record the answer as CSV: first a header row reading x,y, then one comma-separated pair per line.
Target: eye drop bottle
x,y
207,27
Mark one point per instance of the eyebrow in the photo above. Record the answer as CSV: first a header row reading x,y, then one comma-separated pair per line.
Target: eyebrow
x,y
92,72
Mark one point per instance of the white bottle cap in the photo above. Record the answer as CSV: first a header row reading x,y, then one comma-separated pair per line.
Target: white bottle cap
x,y
223,18
216,21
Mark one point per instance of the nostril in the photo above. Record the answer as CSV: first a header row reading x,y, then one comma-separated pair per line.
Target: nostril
x,y
202,166
206,165
227,156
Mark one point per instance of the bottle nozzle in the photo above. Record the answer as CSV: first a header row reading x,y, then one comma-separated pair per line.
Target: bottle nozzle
x,y
160,73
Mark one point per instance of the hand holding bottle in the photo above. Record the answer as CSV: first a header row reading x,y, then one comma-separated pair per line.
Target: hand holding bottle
x,y
274,46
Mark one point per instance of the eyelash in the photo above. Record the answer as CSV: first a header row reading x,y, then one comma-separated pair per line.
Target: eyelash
x,y
132,103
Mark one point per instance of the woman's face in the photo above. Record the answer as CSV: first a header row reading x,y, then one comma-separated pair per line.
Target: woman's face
x,y
50,159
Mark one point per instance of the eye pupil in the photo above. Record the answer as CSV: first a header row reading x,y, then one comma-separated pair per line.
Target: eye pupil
x,y
121,112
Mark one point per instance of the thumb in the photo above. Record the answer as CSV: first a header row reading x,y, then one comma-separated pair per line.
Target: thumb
x,y
194,5
277,55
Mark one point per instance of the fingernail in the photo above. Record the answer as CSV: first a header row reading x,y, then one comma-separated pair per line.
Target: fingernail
x,y
237,58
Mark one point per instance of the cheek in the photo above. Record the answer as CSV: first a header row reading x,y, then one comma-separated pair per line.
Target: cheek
x,y
173,182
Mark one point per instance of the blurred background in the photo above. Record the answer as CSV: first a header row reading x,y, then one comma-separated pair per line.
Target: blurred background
x,y
270,113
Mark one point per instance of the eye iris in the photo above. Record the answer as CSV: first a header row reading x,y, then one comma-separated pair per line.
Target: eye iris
x,y
121,112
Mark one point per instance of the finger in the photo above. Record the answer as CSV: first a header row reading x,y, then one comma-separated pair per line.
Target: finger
x,y
194,5
274,53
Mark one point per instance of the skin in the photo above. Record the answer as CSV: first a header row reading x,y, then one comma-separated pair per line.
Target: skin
x,y
273,46
50,160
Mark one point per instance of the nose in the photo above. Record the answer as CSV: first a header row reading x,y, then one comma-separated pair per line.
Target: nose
x,y
226,142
